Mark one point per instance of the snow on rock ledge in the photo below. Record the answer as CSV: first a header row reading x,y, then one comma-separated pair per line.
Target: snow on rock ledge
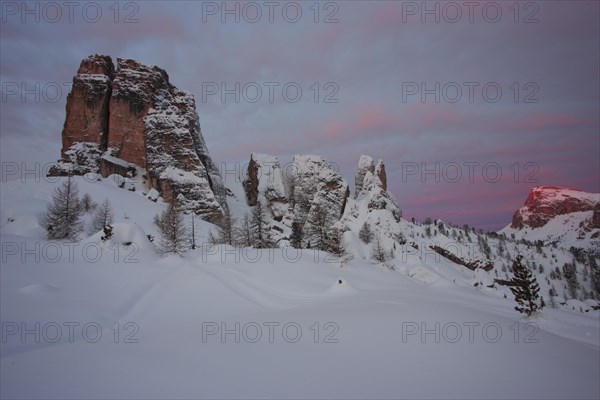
x,y
134,117
264,184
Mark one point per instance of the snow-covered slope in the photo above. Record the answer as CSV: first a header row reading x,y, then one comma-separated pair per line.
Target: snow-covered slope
x,y
558,215
278,323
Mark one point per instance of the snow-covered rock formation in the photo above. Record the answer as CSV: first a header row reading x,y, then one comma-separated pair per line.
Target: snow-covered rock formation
x,y
264,184
317,188
555,214
133,118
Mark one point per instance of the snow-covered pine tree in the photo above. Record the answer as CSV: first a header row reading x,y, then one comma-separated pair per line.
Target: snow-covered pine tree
x,y
570,274
193,234
525,289
261,232
296,236
63,216
87,203
174,235
244,236
365,234
378,252
334,242
318,229
595,276
103,217
227,229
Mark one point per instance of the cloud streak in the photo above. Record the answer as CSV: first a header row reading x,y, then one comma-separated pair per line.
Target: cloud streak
x,y
370,55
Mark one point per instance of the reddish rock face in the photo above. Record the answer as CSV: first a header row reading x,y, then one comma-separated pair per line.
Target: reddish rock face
x,y
251,184
135,116
133,94
546,202
88,103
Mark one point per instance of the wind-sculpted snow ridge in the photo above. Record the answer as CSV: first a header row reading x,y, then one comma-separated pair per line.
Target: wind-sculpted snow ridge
x,y
134,117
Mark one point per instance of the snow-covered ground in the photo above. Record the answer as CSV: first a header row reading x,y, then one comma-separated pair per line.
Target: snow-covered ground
x,y
115,319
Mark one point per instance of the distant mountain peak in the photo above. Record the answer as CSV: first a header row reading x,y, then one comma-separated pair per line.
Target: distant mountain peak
x,y
546,202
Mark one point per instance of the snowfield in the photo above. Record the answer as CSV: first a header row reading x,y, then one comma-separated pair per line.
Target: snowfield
x,y
115,319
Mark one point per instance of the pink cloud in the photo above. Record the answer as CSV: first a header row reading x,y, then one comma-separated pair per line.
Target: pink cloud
x,y
375,118
334,129
544,121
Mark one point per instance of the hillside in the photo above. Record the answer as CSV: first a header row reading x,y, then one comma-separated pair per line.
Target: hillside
x,y
171,314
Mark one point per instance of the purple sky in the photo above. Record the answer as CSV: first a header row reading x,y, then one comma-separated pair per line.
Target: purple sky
x,y
371,61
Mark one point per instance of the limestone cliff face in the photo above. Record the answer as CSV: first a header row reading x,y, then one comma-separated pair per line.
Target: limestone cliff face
x,y
87,104
546,202
120,120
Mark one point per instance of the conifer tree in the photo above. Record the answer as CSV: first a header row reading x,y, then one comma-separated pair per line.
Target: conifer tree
x,y
87,203
244,236
261,231
334,242
378,252
296,236
227,229
63,216
103,217
193,235
318,228
174,235
525,289
595,276
365,234
570,274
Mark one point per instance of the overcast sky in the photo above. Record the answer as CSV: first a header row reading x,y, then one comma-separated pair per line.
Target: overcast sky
x,y
487,89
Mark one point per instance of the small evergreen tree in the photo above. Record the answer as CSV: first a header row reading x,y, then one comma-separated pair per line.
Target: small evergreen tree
x,y
193,235
525,289
318,228
296,236
365,234
103,217
244,235
87,203
261,231
227,229
174,235
63,216
595,276
334,242
570,274
378,252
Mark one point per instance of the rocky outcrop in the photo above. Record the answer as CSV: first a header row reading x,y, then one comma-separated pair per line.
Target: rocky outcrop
x,y
313,187
317,189
380,174
472,265
371,187
365,164
546,202
119,121
87,105
367,169
264,184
